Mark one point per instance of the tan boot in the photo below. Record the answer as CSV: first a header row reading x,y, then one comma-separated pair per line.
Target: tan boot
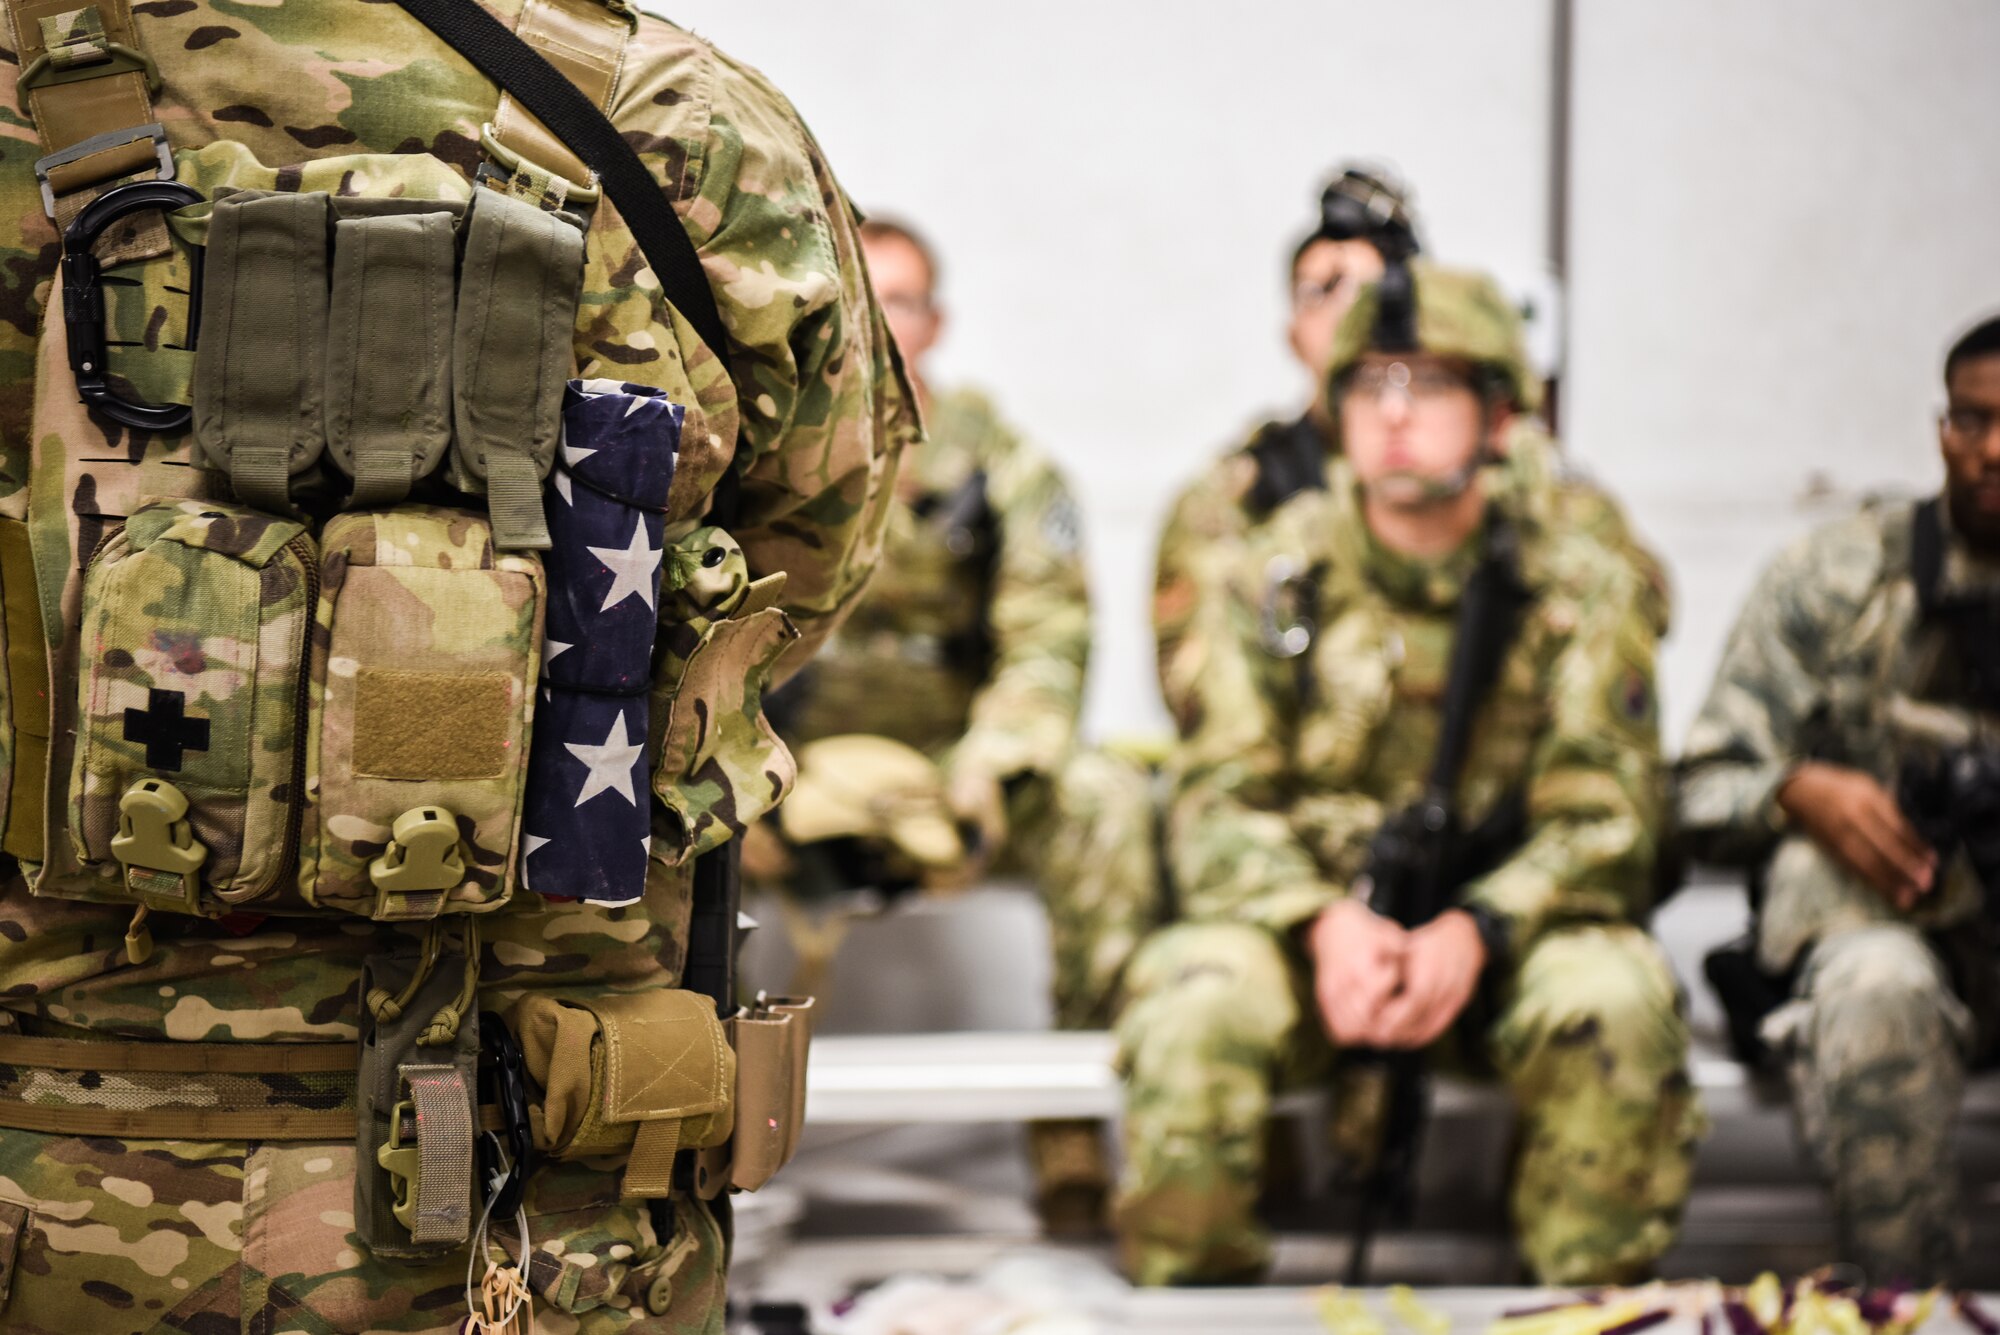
x,y
1072,1177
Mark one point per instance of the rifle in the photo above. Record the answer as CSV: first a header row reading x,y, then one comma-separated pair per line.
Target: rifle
x,y
1422,856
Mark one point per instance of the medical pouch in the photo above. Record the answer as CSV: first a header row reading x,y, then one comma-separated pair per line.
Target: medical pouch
x,y
426,649
190,689
721,764
639,1075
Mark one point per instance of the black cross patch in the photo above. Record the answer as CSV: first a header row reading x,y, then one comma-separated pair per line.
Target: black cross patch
x,y
166,730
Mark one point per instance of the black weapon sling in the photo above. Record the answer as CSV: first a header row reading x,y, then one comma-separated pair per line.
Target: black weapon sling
x,y
503,57
1489,618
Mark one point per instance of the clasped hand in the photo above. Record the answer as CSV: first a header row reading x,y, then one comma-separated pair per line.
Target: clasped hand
x,y
1381,985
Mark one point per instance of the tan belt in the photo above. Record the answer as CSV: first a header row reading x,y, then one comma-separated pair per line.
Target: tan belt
x,y
192,1108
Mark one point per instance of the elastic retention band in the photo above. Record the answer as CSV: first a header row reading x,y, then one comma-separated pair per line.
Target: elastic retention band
x,y
258,372
511,356
444,1147
388,369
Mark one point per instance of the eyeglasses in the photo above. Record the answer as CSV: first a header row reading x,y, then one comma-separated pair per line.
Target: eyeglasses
x,y
1966,425
895,303
1420,383
1310,296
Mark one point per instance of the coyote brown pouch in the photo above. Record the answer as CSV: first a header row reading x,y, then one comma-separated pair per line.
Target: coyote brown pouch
x,y
190,688
771,1040
427,648
641,1075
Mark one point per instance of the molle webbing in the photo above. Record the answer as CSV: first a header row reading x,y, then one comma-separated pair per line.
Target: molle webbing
x,y
182,1091
388,360
511,356
258,371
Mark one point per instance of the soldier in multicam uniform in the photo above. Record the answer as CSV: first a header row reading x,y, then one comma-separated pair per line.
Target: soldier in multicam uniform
x,y
102,1233
1364,210
1844,657
1314,718
971,646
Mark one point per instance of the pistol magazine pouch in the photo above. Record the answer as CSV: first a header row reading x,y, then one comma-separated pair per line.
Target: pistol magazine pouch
x,y
641,1076
422,703
772,1040
190,691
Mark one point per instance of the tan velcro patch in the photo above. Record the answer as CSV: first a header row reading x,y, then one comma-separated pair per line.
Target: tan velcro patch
x,y
431,725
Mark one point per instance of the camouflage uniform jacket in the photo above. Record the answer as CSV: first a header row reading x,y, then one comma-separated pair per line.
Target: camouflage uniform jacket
x,y
1826,643
974,637
1216,514
1290,764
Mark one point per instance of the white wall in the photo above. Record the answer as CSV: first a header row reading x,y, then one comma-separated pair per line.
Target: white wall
x,y
1779,213
1115,189
1782,213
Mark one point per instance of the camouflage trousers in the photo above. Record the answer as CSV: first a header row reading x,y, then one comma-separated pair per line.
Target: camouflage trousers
x,y
1088,837
104,1237
1588,1038
1875,1043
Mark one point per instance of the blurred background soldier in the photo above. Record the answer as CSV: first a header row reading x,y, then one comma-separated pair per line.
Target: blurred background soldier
x,y
1366,213
1317,737
1846,754
970,648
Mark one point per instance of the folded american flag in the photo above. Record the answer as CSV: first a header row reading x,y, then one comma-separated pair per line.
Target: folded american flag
x,y
588,819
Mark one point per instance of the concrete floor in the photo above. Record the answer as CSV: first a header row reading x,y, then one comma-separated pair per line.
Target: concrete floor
x,y
862,1203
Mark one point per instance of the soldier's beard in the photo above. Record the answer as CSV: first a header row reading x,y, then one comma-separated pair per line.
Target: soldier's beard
x,y
1978,524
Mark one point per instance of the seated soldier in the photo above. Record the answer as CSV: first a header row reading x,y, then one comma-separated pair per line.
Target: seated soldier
x,y
970,647
1365,215
1316,726
1844,754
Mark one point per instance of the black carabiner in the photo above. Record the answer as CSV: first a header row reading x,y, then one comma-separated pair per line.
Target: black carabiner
x,y
503,1077
83,303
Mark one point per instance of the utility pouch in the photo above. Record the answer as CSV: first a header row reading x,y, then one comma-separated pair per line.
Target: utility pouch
x,y
721,764
417,1116
641,1075
190,691
772,1040
427,649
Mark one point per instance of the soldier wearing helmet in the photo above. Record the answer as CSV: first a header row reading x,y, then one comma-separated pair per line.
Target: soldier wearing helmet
x,y
1331,648
1366,219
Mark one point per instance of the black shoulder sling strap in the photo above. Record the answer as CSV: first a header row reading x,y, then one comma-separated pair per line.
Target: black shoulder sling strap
x,y
501,56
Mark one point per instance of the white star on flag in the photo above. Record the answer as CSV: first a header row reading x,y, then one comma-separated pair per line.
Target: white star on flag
x,y
554,649
610,765
561,481
635,568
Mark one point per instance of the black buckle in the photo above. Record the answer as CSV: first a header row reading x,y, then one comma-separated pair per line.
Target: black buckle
x,y
83,303
507,1158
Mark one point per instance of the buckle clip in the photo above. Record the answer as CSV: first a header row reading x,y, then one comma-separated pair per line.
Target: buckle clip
x,y
99,143
402,1160
508,167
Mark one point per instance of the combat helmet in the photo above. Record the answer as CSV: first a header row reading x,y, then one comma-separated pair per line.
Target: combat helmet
x,y
879,807
1458,313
